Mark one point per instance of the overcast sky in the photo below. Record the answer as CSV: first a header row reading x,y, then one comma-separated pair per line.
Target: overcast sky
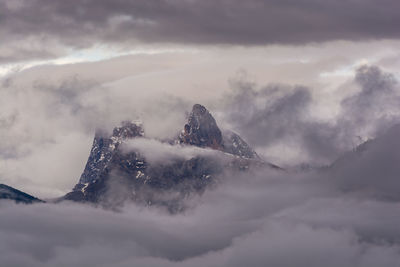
x,y
302,81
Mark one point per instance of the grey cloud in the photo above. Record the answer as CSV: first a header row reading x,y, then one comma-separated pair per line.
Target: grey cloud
x,y
256,22
376,105
259,218
281,114
273,116
344,213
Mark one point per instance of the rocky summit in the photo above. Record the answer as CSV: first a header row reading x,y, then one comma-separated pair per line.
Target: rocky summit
x,y
202,131
113,175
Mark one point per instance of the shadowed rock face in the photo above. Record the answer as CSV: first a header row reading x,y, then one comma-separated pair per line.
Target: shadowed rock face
x,y
112,176
104,149
235,145
9,193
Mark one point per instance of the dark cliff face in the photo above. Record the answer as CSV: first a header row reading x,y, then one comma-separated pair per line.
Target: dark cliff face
x,y
9,193
104,149
112,176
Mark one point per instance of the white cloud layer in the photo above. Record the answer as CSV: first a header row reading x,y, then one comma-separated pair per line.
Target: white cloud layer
x,y
156,152
257,219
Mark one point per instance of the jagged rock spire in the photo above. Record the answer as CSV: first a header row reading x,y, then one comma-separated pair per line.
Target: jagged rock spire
x,y
201,129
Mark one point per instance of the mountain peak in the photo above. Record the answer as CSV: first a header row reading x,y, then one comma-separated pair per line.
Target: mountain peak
x,y
197,108
202,129
110,170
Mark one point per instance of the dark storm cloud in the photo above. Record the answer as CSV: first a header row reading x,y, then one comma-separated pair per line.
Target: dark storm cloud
x,y
280,113
255,22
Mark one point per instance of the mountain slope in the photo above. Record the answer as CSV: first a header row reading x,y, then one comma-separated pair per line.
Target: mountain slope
x,y
9,193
